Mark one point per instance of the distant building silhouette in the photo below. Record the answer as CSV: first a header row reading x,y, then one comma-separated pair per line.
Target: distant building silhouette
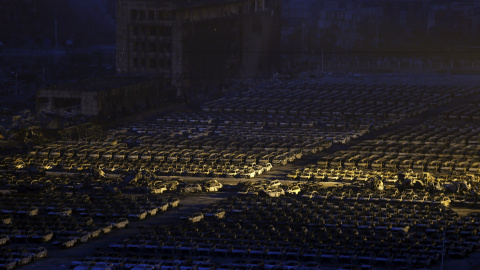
x,y
439,30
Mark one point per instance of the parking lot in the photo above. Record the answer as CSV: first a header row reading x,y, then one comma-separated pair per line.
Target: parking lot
x,y
290,175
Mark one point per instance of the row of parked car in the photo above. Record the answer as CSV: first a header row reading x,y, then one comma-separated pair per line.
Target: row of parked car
x,y
222,144
183,137
59,211
161,151
70,191
354,192
18,256
468,112
438,147
404,162
68,219
316,99
439,155
309,89
299,232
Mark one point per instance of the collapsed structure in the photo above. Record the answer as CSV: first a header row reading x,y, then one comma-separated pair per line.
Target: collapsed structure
x,y
107,96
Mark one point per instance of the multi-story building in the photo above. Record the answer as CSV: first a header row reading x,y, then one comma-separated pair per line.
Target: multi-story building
x,y
197,44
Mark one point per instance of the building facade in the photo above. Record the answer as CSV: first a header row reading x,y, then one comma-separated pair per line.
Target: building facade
x,y
197,44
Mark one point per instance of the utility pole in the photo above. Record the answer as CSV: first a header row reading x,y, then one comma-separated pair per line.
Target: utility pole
x,y
303,24
443,248
16,83
56,34
377,30
322,61
443,245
